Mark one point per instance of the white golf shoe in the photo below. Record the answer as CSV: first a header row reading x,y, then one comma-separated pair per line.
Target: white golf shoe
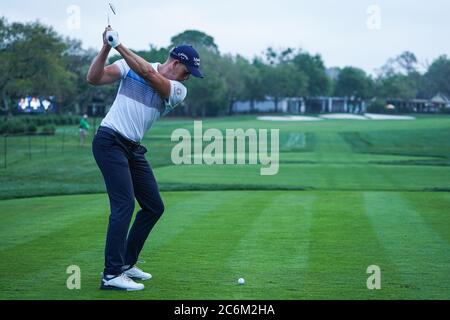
x,y
122,282
137,274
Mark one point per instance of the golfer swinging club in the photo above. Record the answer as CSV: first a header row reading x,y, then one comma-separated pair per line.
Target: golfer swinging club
x,y
147,92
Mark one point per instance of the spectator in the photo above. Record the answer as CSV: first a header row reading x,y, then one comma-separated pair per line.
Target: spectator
x,y
84,127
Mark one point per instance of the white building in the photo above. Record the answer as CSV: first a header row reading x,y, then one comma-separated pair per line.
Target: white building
x,y
302,105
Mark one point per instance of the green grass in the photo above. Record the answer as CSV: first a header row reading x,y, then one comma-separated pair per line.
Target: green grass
x,y
329,155
432,143
287,245
349,194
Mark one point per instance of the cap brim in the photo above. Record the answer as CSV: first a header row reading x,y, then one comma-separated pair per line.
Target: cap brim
x,y
195,72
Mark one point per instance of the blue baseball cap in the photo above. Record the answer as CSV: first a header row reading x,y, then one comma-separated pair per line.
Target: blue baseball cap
x,y
188,56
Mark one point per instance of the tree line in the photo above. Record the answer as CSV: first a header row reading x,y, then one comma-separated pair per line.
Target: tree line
x,y
36,60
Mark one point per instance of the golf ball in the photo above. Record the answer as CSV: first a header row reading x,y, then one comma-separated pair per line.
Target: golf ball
x,y
241,281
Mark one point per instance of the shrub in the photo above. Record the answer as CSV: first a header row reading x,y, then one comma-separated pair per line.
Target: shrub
x,y
377,106
15,126
31,128
22,124
3,127
48,130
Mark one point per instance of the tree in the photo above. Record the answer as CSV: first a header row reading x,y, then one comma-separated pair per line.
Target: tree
x,y
353,82
77,60
397,86
32,62
195,38
405,63
283,80
399,78
273,56
437,78
208,96
254,90
313,67
154,54
280,76
252,81
234,76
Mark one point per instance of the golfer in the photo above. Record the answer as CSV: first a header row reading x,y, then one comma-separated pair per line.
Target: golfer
x,y
147,91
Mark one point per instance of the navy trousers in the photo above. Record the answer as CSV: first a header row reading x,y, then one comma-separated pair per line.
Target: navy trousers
x,y
127,176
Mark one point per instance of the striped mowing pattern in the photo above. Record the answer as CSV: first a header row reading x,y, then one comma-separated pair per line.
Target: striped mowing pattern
x,y
286,244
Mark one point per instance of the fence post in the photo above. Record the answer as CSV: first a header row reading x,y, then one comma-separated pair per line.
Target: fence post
x,y
29,147
6,148
95,125
63,138
45,145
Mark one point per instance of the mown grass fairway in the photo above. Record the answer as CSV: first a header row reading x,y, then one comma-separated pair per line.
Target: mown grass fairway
x,y
349,194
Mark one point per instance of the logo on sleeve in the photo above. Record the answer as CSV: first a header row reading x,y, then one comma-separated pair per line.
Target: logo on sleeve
x,y
179,92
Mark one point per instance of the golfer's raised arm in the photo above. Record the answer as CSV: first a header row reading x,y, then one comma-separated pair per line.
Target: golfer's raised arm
x,y
98,74
146,71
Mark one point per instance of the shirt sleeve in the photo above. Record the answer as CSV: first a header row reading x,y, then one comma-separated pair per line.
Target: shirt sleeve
x,y
123,67
178,93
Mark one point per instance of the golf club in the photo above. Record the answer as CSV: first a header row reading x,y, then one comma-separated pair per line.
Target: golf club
x,y
113,9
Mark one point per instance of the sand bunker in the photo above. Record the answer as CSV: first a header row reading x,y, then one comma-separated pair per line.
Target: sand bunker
x,y
373,116
289,118
334,116
345,116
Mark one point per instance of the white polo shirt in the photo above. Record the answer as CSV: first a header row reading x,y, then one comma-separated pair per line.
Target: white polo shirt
x,y
137,105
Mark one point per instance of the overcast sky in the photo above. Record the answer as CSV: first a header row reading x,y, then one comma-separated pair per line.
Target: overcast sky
x,y
347,32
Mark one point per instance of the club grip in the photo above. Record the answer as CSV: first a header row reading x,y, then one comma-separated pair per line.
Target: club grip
x,y
113,38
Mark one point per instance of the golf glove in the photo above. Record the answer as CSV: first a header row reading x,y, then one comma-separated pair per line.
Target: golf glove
x,y
113,38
